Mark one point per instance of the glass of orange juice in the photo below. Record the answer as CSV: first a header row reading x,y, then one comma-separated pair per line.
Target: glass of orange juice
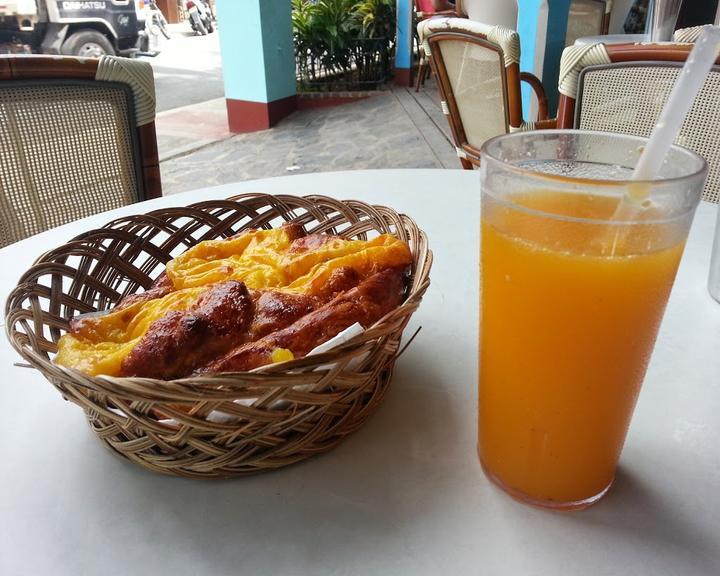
x,y
576,267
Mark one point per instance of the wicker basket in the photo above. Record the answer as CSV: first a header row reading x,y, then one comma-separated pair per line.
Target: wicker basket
x,y
229,424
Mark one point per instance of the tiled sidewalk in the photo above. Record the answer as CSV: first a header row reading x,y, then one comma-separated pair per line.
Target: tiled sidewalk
x,y
394,129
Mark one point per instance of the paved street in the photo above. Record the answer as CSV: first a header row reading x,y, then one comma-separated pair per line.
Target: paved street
x,y
188,69
396,128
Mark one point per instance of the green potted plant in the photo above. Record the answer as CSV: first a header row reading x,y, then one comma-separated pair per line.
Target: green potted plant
x,y
343,44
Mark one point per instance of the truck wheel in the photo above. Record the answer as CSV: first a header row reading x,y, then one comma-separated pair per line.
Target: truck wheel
x,y
87,43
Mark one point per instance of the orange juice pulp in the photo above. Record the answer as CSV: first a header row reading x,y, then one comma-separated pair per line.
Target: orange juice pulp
x,y
569,315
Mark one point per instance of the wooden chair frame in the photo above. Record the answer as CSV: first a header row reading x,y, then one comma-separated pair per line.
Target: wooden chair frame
x,y
53,68
423,71
605,8
512,97
607,12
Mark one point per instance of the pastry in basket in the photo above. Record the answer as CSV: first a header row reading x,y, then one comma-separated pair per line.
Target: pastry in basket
x,y
236,304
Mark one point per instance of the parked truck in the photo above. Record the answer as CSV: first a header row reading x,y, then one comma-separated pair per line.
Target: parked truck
x,y
78,28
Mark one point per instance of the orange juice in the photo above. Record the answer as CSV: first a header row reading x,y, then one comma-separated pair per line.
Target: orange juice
x,y
570,310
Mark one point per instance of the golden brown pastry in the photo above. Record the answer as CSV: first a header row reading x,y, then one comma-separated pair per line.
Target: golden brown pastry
x,y
365,304
223,317
275,309
161,287
179,342
257,297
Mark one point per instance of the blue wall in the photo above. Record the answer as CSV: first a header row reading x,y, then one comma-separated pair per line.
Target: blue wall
x,y
534,35
257,49
403,50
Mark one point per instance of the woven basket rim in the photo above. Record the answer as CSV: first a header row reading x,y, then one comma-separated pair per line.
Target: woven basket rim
x,y
222,385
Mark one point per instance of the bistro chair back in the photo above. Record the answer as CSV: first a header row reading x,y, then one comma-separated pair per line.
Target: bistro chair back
x,y
688,34
623,87
77,137
587,18
424,11
491,12
477,68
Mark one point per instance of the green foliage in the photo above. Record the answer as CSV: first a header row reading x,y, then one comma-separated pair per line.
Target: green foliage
x,y
327,33
376,17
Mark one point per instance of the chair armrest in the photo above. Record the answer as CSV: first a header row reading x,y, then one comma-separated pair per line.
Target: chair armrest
x,y
548,124
537,87
425,15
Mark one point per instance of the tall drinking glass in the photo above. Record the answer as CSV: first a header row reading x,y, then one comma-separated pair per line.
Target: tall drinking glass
x,y
714,278
573,292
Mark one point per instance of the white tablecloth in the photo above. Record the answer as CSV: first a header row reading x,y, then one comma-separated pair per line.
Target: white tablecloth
x,y
405,495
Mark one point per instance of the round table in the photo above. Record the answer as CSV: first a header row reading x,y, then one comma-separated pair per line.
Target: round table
x,y
612,39
404,495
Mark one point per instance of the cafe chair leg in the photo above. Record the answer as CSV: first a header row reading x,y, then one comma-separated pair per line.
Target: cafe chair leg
x,y
420,80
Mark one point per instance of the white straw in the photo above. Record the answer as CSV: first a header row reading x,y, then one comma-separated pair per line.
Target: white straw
x,y
691,80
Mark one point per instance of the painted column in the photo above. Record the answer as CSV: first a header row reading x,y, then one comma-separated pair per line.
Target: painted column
x,y
542,25
258,62
403,48
169,9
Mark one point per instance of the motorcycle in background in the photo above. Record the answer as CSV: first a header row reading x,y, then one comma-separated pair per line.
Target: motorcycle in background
x,y
151,23
154,18
200,16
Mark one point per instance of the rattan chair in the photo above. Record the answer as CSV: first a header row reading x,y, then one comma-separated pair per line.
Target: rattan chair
x,y
688,34
587,18
623,87
493,12
479,80
77,137
424,12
